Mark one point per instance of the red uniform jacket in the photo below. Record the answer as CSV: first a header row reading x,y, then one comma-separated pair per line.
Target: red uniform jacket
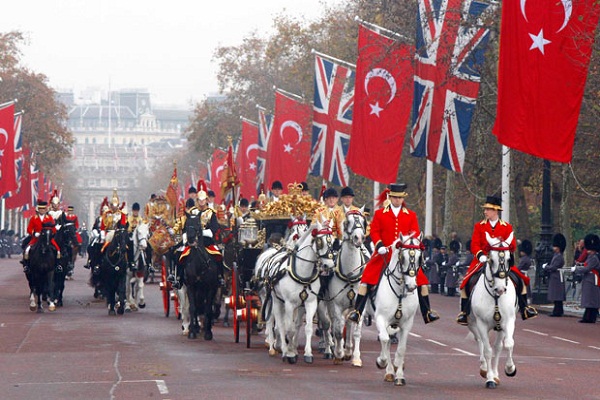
x,y
37,223
480,245
73,218
386,228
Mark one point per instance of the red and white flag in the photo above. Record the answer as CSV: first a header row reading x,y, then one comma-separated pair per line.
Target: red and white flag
x,y
246,158
8,178
382,104
217,168
545,49
289,144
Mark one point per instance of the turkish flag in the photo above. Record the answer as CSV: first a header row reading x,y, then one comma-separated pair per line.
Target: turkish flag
x,y
22,195
246,158
8,178
382,104
289,144
217,172
545,49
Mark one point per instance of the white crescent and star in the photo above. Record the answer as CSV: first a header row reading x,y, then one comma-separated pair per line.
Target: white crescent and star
x,y
5,134
251,147
538,40
219,169
287,147
385,75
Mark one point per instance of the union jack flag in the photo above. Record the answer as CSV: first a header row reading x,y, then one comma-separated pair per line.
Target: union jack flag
x,y
450,46
332,120
18,155
265,125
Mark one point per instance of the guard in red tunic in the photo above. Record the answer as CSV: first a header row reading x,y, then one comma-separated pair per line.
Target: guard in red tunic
x,y
40,221
501,230
71,217
387,225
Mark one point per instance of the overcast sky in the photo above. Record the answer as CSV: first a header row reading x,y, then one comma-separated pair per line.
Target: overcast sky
x,y
163,46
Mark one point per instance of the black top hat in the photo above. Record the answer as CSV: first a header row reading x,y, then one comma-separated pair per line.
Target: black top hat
x,y
331,192
276,185
559,241
70,208
493,202
192,190
41,204
304,186
398,190
526,247
592,242
135,206
244,202
347,191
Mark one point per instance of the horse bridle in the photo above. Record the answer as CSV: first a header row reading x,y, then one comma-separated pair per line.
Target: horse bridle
x,y
502,272
119,244
320,242
356,224
412,265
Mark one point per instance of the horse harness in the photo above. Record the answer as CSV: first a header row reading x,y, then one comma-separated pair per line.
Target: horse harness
x,y
501,273
122,254
411,271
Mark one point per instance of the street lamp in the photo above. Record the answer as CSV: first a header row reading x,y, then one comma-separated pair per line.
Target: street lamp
x,y
543,250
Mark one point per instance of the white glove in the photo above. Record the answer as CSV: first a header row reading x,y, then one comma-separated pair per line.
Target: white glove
x,y
95,233
382,250
444,263
573,268
457,263
124,210
544,266
37,234
102,235
171,231
58,226
483,258
207,233
184,238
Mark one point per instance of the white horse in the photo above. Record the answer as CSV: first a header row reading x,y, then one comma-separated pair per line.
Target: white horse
x,y
493,306
135,279
396,303
343,286
269,259
295,288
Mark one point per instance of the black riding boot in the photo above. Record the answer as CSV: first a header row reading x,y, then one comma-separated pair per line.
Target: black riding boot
x,y
463,317
25,265
428,315
525,310
361,301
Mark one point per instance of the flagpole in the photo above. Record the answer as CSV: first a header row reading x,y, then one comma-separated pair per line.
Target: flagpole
x,y
429,199
8,103
376,191
248,121
2,209
288,94
506,183
336,60
382,30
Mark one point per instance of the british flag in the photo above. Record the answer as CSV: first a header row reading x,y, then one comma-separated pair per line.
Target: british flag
x,y
265,125
450,46
18,155
332,120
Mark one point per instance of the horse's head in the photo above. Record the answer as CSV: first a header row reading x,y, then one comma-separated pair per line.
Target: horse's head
x,y
407,258
69,234
141,235
297,226
355,227
321,241
496,271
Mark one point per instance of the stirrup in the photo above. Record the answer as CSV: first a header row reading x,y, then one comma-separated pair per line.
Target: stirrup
x,y
430,316
354,316
462,319
529,312
171,278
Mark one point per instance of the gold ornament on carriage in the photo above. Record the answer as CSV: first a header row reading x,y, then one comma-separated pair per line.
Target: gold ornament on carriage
x,y
291,204
248,233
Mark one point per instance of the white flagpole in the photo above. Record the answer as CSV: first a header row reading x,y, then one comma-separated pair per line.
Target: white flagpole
x,y
2,208
376,192
505,183
429,199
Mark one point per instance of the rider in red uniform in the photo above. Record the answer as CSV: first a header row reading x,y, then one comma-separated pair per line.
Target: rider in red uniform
x,y
501,230
40,221
387,225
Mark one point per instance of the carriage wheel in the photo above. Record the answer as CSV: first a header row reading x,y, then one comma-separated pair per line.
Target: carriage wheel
x,y
234,296
248,318
165,288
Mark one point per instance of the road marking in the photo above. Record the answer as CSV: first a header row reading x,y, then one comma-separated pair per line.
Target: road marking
x,y
464,352
162,386
119,376
414,334
536,332
436,342
565,340
2,325
594,347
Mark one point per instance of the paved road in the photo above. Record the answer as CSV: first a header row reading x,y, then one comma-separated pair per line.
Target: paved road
x,y
79,352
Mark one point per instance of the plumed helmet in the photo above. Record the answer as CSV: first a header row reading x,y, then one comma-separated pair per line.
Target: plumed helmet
x,y
202,189
527,248
559,241
135,207
330,192
454,246
347,191
276,185
114,201
55,199
592,242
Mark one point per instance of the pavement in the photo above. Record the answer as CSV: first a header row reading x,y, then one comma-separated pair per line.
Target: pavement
x,y
571,308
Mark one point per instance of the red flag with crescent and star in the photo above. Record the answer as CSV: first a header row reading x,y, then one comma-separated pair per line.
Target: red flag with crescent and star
x,y
8,179
382,105
217,166
246,158
545,49
289,144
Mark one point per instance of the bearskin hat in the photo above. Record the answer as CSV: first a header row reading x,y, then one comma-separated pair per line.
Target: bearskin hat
x,y
592,242
526,247
559,241
454,246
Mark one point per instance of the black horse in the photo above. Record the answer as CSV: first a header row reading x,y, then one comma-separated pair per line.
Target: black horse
x,y
42,259
201,276
113,271
66,239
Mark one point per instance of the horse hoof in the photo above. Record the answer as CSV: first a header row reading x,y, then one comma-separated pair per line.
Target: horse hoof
x,y
511,374
380,364
112,312
338,361
328,356
497,380
272,353
120,311
192,335
389,378
32,307
51,307
308,359
400,382
490,385
292,360
483,373
142,305
208,336
357,363
348,358
185,332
